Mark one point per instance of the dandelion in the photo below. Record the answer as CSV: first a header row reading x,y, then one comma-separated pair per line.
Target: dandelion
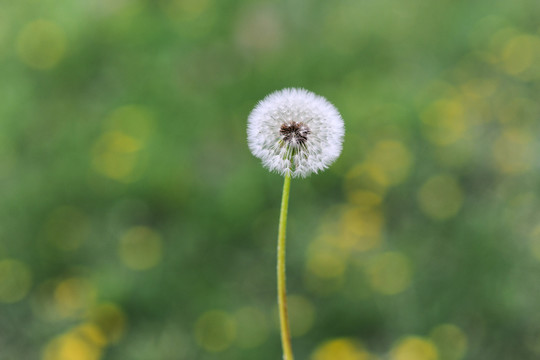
x,y
295,133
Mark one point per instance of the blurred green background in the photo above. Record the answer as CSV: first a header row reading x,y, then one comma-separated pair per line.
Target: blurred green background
x,y
135,224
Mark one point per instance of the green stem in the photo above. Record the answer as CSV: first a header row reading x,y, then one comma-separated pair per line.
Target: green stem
x,y
282,291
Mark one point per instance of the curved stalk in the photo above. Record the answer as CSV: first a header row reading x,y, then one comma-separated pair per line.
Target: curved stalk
x,y
282,289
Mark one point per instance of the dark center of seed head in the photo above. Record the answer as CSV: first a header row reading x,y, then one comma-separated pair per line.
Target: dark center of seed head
x,y
294,133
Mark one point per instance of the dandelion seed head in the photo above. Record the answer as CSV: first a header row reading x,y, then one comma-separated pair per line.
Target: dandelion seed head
x,y
295,132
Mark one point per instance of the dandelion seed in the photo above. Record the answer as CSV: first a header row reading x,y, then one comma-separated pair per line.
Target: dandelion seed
x,y
295,132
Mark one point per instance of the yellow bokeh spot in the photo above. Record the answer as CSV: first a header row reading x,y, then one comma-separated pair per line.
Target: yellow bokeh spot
x,y
92,333
82,343
393,160
41,44
67,228
444,121
117,152
74,297
414,348
366,177
440,197
519,53
301,314
352,227
389,273
215,331
513,151
252,327
111,321
115,155
134,121
140,248
15,280
330,277
364,199
450,340
361,229
340,349
325,264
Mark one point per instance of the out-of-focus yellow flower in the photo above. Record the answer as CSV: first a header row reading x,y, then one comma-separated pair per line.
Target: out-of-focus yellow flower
x,y
444,121
41,44
15,280
366,177
81,343
513,151
302,314
389,273
215,330
450,340
414,348
393,160
364,198
325,264
140,248
360,229
440,197
252,327
110,319
116,154
519,54
74,297
135,121
340,349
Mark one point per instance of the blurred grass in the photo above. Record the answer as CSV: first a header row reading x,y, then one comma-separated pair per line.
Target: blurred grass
x,y
134,223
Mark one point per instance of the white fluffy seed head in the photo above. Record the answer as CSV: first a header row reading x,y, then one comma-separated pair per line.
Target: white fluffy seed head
x,y
295,132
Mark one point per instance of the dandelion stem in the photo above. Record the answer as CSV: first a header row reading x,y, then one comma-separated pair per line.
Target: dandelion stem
x,y
282,288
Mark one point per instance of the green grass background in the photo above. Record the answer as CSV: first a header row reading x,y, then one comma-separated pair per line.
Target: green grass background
x,y
135,224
